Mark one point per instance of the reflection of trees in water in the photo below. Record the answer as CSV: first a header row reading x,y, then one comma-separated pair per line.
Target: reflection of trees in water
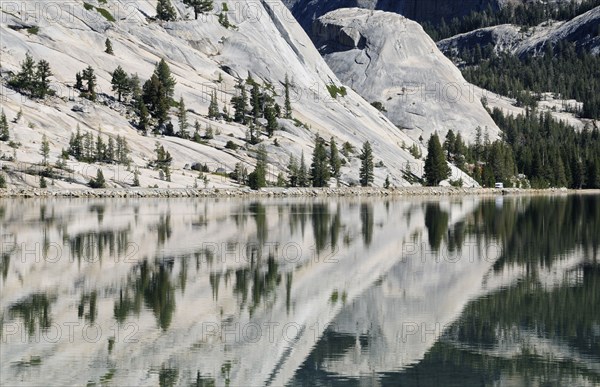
x,y
298,217
92,245
320,225
163,228
151,284
259,213
258,283
366,221
91,300
436,221
550,227
167,377
34,312
99,210
568,312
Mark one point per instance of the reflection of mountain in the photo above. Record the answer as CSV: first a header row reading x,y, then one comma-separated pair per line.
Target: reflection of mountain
x,y
271,292
531,325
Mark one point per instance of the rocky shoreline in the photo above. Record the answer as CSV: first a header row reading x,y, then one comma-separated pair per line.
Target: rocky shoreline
x,y
269,192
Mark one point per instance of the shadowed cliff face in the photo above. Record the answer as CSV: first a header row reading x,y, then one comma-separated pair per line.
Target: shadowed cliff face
x,y
421,10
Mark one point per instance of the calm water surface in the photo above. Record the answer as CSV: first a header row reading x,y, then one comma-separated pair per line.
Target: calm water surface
x,y
301,292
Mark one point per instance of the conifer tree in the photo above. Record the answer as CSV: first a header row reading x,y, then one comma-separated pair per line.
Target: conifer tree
x,y
450,145
89,76
200,6
109,155
303,178
120,82
213,107
319,170
255,99
45,149
257,178
240,103
271,117
99,181
288,103
154,96
366,166
182,117
25,79
144,119
4,134
163,72
108,47
293,170
42,75
136,178
79,81
100,148
436,168
334,159
165,10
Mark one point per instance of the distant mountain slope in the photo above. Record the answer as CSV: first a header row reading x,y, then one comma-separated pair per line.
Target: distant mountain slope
x,y
420,89
421,10
583,30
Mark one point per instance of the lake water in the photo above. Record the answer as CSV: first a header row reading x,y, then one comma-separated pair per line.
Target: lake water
x,y
470,291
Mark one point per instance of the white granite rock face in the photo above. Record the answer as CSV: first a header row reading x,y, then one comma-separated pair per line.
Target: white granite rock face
x,y
266,42
389,59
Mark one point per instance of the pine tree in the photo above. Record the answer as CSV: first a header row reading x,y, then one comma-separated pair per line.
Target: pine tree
x,y
334,159
122,151
319,169
4,134
271,117
99,181
100,153
109,48
450,144
163,72
208,134
144,119
75,145
42,84
257,178
303,178
136,178
213,107
25,79
135,87
165,10
240,103
155,98
293,170
89,76
45,149
288,103
120,82
109,155
386,184
200,6
366,165
436,168
182,117
79,81
255,99
43,183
